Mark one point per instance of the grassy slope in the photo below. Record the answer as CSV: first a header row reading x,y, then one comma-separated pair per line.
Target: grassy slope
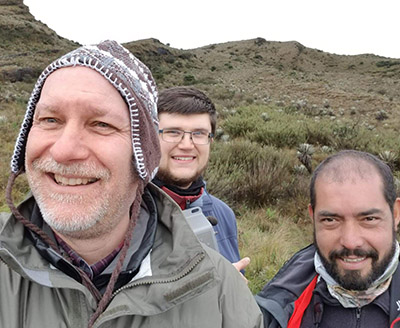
x,y
271,97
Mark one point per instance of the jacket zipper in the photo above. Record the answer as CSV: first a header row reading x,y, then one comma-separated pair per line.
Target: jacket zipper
x,y
358,316
195,261
191,266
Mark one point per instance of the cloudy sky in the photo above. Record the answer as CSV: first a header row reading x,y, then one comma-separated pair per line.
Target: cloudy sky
x,y
342,26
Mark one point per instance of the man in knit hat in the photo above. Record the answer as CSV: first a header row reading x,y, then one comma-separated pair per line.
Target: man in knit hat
x,y
95,245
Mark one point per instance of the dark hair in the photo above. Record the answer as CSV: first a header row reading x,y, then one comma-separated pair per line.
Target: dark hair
x,y
186,101
354,156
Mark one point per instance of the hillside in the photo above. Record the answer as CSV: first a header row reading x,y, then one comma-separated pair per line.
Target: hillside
x,y
248,71
285,73
277,102
26,44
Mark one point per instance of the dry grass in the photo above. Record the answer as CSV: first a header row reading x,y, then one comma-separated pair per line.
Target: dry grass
x,y
269,239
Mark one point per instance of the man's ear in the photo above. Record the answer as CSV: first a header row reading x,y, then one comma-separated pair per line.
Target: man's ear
x,y
311,212
396,213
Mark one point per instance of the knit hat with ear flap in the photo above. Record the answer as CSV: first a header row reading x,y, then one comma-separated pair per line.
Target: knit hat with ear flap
x,y
137,87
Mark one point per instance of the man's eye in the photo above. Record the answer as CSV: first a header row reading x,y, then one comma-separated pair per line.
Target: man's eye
x,y
200,133
103,127
47,121
172,132
370,218
102,124
328,220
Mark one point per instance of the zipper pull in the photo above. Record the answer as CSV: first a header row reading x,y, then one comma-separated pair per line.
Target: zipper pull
x,y
358,313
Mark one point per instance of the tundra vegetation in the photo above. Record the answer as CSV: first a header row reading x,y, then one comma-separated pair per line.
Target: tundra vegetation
x,y
282,108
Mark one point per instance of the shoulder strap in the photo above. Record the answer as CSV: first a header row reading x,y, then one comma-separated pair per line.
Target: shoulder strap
x,y
301,304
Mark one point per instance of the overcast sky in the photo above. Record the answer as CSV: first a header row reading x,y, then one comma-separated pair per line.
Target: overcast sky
x,y
346,27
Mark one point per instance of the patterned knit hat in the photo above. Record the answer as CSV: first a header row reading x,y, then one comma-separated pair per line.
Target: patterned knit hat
x,y
137,87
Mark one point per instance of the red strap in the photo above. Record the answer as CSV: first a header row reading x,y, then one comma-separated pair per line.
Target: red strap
x,y
182,200
394,322
301,304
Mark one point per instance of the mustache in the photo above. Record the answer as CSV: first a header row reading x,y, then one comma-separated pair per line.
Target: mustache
x,y
345,252
89,170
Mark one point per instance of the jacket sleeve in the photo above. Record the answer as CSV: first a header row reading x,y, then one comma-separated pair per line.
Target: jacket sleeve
x,y
277,318
278,296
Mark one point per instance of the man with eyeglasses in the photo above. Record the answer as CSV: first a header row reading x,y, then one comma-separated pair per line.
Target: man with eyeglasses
x,y
187,126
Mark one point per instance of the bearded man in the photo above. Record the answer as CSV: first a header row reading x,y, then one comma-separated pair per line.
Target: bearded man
x,y
349,277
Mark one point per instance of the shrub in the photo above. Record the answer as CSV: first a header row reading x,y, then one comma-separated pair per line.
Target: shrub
x,y
387,63
243,172
304,155
381,115
280,130
346,136
389,157
189,79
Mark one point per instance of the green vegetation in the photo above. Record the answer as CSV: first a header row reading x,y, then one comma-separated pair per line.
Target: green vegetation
x,y
260,173
387,63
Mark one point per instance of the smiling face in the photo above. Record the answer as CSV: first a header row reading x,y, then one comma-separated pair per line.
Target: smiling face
x,y
79,155
182,163
354,228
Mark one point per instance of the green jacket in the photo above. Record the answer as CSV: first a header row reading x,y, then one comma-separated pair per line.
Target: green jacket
x,y
190,286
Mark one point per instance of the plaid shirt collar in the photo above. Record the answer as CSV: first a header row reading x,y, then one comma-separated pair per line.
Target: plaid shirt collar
x,y
91,270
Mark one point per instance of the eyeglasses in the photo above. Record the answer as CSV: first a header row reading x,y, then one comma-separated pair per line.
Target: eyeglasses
x,y
176,136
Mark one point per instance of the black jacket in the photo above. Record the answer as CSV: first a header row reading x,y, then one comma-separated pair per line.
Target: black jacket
x,y
278,297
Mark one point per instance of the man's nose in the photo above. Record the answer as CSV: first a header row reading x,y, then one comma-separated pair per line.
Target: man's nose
x,y
186,141
351,235
70,144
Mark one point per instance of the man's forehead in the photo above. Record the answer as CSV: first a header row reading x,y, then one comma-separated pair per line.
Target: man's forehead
x,y
348,170
71,83
360,189
77,74
121,116
202,119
